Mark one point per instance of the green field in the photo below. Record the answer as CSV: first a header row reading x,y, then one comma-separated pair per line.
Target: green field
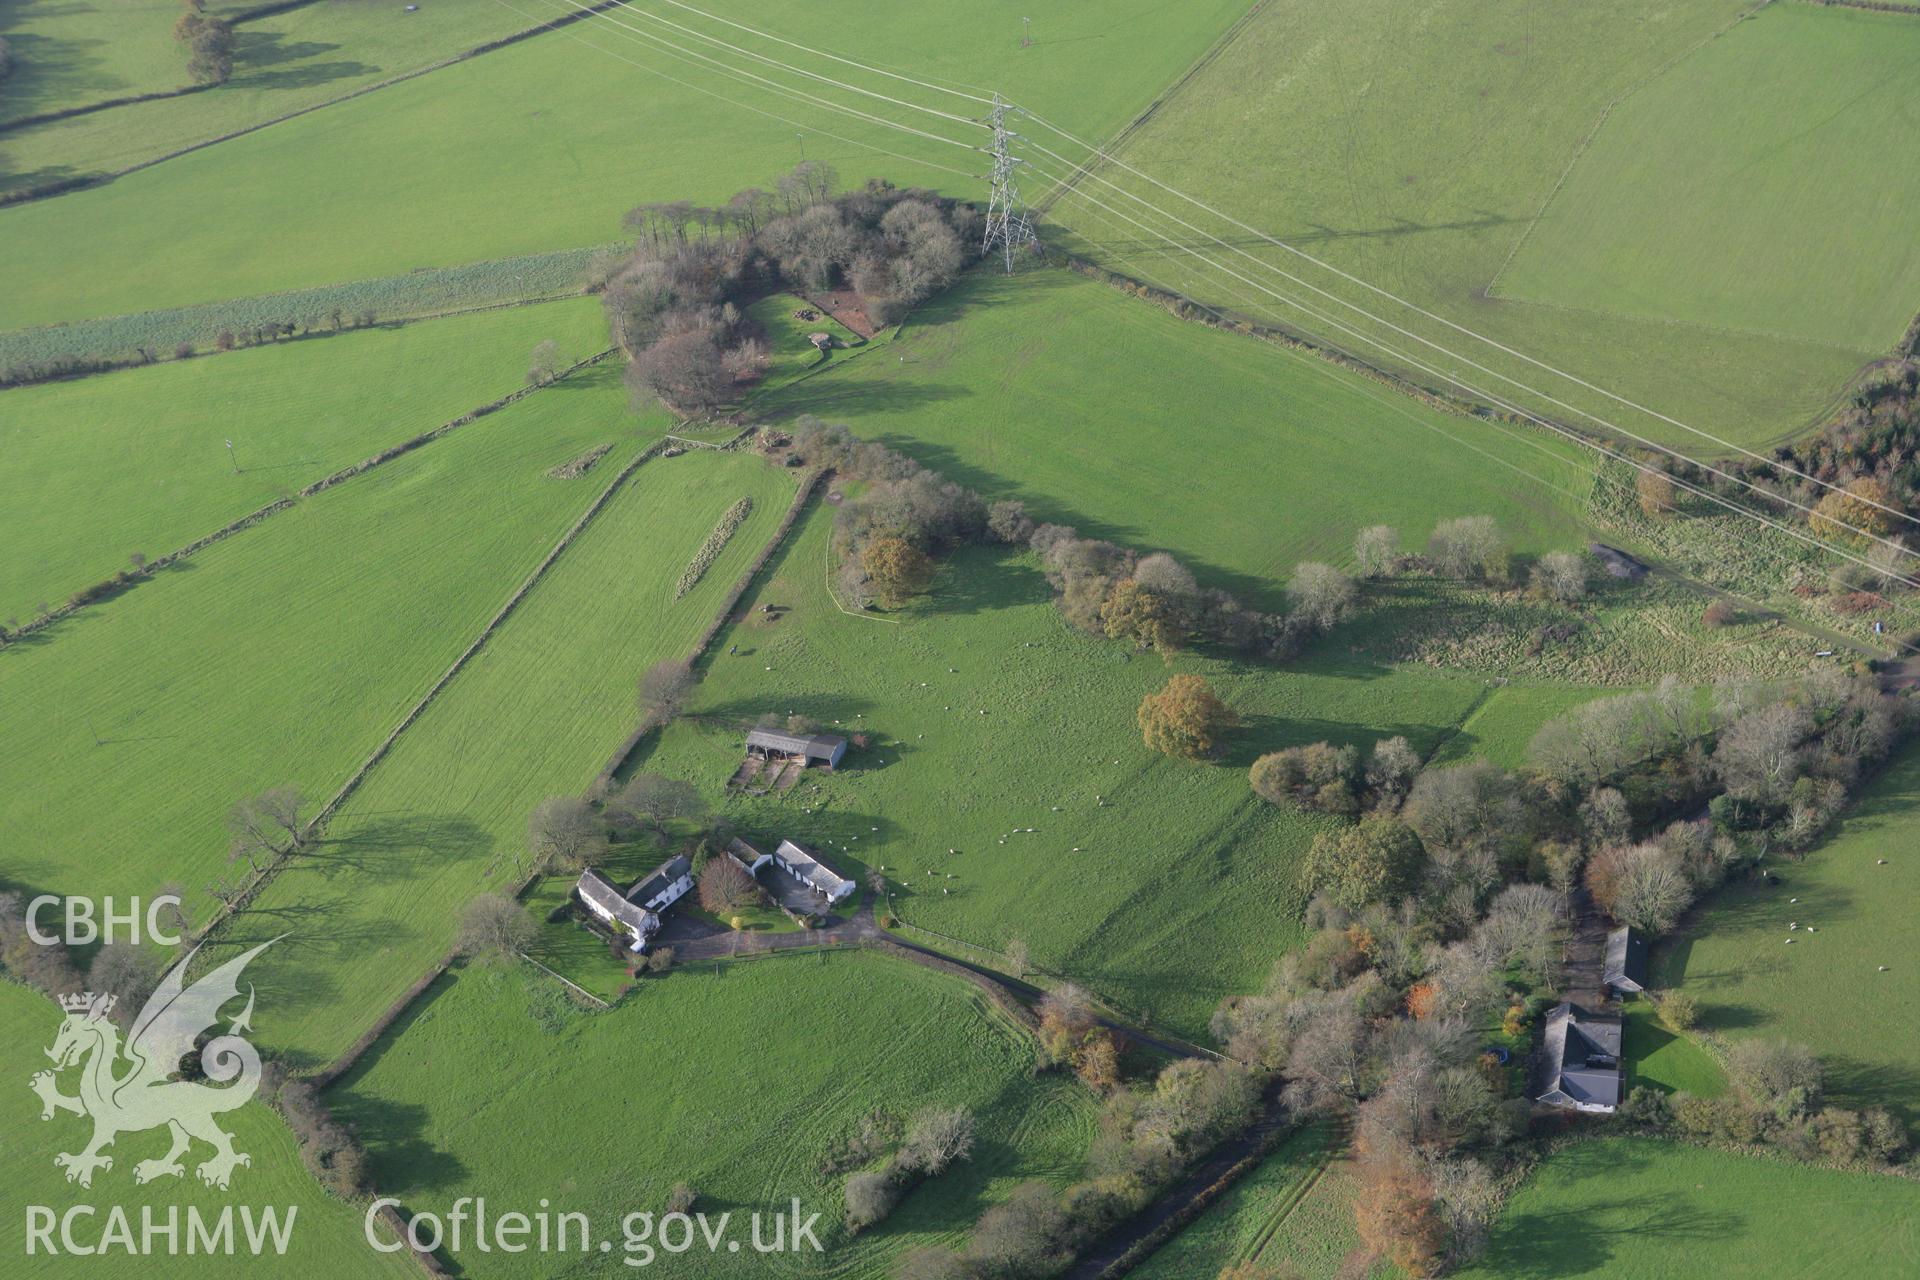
x,y
736,1079
281,655
282,63
326,1236
990,716
357,189
1826,990
537,713
66,55
135,461
1239,457
1414,144
1640,1208
1732,223
1505,721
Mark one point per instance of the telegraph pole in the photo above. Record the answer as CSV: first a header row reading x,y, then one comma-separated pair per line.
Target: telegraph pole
x,y
1007,226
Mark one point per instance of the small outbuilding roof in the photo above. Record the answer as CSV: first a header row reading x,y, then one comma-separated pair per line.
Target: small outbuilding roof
x,y
804,865
795,744
1582,1053
1626,959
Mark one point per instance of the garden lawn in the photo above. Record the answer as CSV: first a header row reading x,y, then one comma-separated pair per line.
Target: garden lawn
x,y
1642,1208
136,461
1415,144
535,147
1671,1063
325,1236
281,655
537,713
1159,883
1240,457
1732,223
1825,991
737,1079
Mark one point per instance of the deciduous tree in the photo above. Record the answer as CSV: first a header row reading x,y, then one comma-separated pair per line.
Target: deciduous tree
x,y
1185,718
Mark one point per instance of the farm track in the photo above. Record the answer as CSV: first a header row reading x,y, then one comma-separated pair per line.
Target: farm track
x,y
1133,1242
1296,1194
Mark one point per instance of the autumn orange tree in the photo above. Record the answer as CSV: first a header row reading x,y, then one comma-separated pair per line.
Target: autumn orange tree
x,y
1184,718
1851,512
1395,1214
899,570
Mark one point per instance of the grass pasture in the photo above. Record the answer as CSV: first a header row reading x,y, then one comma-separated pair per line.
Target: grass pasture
x,y
988,717
1826,990
1640,1208
736,1079
538,711
1732,223
105,466
282,62
281,655
356,188
1108,414
325,1239
67,55
1414,145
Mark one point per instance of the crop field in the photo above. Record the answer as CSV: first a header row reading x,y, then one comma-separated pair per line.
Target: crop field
x,y
289,650
135,461
736,1079
360,194
957,693
1827,988
1157,433
326,1234
444,816
1415,145
1730,223
1633,1207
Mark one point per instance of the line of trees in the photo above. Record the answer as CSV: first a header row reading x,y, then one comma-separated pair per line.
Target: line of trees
x,y
937,1138
675,303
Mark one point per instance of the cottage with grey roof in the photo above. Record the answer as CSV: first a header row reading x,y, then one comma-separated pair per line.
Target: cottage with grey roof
x,y
1580,1060
599,896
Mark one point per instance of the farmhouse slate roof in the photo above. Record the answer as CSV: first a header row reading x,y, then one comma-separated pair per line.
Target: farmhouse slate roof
x,y
599,892
795,744
662,876
1582,1052
1626,959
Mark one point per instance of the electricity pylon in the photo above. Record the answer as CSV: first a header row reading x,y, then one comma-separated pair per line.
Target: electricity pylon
x,y
1007,225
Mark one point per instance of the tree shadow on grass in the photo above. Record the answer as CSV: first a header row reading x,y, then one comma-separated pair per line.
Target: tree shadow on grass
x,y
404,1162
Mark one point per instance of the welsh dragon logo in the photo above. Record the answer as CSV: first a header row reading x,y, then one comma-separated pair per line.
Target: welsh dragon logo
x,y
127,1088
